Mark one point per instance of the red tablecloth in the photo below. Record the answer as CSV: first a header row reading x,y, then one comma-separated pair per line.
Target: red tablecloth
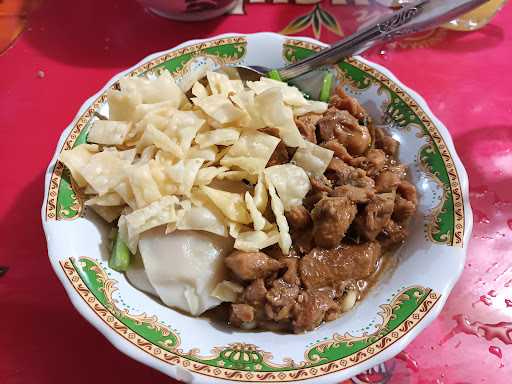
x,y
70,49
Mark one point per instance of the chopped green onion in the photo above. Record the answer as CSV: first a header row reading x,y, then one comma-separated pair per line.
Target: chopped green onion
x,y
120,258
325,93
274,75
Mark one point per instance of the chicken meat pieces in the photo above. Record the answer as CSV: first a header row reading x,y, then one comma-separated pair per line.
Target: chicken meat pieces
x,y
342,101
241,314
326,267
331,218
307,126
373,162
339,150
405,203
298,217
251,265
385,142
345,128
313,308
356,194
375,216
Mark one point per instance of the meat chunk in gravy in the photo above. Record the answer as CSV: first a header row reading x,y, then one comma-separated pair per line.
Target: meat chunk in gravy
x,y
339,172
241,314
291,276
405,202
282,293
315,305
251,265
303,240
331,218
307,125
345,128
408,191
392,235
298,217
359,179
341,100
404,210
320,184
373,162
387,181
339,150
320,188
324,267
255,292
375,216
385,142
355,194
311,290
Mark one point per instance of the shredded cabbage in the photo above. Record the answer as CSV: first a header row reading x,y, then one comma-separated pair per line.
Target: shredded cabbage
x,y
219,107
291,182
108,132
257,218
285,240
313,158
161,88
221,136
76,159
252,241
251,152
278,115
231,204
157,213
202,219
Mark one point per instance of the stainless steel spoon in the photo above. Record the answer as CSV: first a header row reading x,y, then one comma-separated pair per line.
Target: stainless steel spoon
x,y
308,74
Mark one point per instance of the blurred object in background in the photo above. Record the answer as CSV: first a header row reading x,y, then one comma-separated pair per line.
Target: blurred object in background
x,y
473,20
13,19
189,10
326,20
364,15
477,18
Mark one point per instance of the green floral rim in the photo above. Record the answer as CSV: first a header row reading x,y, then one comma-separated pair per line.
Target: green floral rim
x,y
242,361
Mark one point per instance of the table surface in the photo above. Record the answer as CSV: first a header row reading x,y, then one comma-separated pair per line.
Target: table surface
x,y
68,50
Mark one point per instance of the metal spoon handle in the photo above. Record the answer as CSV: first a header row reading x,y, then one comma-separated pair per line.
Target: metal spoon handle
x,y
421,15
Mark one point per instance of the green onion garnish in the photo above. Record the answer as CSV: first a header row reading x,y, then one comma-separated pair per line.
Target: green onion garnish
x,y
120,258
325,93
274,75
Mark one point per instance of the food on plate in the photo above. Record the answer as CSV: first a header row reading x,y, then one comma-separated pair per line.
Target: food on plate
x,y
250,196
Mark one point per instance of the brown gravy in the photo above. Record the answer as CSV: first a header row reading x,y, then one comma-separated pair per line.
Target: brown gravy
x,y
219,316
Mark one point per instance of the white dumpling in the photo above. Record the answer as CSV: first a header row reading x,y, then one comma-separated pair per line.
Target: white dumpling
x,y
185,266
137,276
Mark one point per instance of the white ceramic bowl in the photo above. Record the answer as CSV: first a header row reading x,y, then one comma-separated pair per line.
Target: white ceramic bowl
x,y
193,350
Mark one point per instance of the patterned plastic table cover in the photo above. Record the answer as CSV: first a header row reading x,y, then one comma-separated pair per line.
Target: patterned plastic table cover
x,y
56,53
